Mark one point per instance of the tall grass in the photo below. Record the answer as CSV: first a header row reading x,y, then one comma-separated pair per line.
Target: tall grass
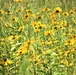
x,y
37,37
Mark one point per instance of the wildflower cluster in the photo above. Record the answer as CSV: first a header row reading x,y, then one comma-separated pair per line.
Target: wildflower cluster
x,y
38,41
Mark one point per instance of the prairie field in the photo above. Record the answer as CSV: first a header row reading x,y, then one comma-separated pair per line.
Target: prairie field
x,y
37,37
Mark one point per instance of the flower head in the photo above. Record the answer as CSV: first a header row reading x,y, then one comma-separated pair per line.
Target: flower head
x,y
65,14
57,10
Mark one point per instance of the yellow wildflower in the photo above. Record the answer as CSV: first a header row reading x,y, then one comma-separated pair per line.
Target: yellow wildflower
x,y
65,14
49,32
71,11
70,42
57,10
6,62
26,16
1,11
8,12
13,37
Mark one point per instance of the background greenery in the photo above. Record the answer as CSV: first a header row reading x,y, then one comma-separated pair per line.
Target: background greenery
x,y
37,37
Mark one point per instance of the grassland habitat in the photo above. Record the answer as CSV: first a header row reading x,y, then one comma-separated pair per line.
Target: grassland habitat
x,y
37,37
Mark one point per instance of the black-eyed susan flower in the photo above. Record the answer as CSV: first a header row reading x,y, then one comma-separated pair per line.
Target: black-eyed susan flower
x,y
71,11
13,19
26,16
70,64
70,42
6,62
49,32
40,17
19,9
22,50
41,26
18,53
28,42
64,23
57,10
8,12
45,9
65,14
10,38
1,11
34,23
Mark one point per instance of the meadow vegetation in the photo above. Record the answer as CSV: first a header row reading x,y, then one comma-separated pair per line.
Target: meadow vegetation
x,y
37,37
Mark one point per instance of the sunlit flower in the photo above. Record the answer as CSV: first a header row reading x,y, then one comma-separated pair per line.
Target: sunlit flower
x,y
13,37
1,11
70,64
22,50
70,42
57,10
64,23
34,23
8,12
13,19
19,9
26,16
6,62
39,17
71,11
45,9
29,42
41,26
65,14
49,32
